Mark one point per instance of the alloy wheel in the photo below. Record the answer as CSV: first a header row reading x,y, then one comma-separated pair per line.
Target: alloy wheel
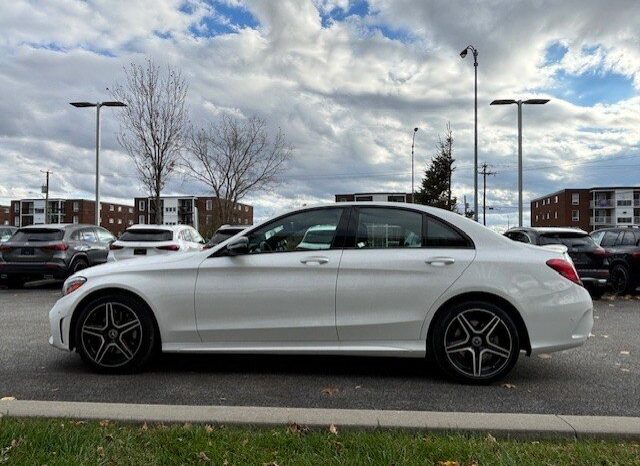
x,y
478,343
619,279
111,334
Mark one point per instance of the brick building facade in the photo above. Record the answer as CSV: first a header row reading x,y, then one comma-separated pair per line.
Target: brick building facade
x,y
197,211
114,217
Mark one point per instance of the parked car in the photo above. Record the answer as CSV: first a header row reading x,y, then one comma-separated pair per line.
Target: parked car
x,y
623,247
223,233
155,240
590,260
393,280
52,251
6,232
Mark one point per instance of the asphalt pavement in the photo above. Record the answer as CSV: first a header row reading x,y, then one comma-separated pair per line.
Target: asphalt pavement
x,y
600,378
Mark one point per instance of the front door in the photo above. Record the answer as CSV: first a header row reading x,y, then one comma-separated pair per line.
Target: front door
x,y
282,290
401,261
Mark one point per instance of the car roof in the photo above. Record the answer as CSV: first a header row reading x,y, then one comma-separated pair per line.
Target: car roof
x,y
550,230
55,226
146,226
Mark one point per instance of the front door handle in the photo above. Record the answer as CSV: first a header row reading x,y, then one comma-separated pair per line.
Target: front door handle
x,y
440,261
315,260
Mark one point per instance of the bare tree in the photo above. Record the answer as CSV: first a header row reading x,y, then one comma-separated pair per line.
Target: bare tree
x,y
235,157
154,124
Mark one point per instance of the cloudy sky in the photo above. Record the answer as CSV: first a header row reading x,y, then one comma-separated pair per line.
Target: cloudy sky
x,y
346,80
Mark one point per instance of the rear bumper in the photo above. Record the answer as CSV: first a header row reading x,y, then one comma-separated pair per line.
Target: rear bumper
x,y
594,277
33,270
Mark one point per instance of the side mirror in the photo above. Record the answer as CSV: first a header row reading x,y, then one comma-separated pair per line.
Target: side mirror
x,y
238,246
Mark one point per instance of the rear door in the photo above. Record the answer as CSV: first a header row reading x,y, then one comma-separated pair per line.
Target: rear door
x,y
398,262
105,238
32,245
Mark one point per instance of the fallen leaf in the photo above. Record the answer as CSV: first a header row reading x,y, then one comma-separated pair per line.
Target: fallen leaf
x,y
491,439
333,429
358,387
297,429
605,336
544,356
144,427
448,463
104,423
208,429
100,451
591,335
203,457
7,398
508,386
271,463
625,353
624,369
329,391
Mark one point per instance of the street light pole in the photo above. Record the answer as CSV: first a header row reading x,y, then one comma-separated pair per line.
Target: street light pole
x,y
98,105
519,103
413,143
475,131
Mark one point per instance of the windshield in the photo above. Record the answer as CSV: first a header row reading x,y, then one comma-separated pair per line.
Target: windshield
x,y
146,235
570,240
38,234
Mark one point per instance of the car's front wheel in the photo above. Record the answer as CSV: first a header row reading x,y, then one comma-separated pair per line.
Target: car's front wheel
x,y
115,334
475,342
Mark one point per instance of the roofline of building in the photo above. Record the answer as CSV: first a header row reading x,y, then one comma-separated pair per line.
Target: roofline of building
x,y
27,199
372,194
595,188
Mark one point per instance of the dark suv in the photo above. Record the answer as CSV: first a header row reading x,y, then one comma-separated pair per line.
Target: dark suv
x,y
52,251
591,261
224,233
623,247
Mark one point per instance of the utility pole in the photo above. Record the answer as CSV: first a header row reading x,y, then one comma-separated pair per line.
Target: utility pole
x,y
46,199
484,174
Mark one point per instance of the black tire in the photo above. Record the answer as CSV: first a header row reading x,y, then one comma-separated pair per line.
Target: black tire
x,y
129,334
620,278
78,264
456,349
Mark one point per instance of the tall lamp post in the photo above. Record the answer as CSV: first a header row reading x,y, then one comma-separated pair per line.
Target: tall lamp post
x,y
519,104
98,105
463,54
413,144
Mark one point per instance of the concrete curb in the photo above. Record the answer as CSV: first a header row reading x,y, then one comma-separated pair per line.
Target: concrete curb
x,y
498,424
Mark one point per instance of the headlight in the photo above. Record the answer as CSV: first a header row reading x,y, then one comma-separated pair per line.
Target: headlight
x,y
72,285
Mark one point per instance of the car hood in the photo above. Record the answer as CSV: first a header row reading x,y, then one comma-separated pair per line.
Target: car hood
x,y
141,264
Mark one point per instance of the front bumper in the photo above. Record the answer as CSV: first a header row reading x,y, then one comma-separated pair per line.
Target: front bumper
x,y
56,270
60,323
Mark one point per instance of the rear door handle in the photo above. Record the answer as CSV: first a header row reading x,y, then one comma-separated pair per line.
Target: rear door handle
x,y
315,260
440,261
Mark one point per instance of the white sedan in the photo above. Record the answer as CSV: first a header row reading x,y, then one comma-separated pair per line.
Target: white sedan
x,y
154,240
391,280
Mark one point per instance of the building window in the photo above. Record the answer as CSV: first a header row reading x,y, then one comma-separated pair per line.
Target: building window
x,y
76,206
111,207
537,204
208,220
364,198
555,214
209,204
119,208
547,215
556,199
16,221
119,221
624,202
141,206
395,198
624,219
536,218
575,198
130,210
141,219
246,208
575,215
75,219
130,222
110,220
16,207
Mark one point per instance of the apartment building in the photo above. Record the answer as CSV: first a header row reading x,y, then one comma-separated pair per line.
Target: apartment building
x,y
589,209
197,211
378,197
113,217
4,215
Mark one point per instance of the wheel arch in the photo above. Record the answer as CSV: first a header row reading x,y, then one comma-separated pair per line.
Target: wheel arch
x,y
523,333
79,255
106,292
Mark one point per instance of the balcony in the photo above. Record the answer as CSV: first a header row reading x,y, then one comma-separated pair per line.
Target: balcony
x,y
601,220
636,220
602,204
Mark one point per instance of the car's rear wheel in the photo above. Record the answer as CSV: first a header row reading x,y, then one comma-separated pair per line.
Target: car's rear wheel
x,y
620,278
79,264
115,334
475,342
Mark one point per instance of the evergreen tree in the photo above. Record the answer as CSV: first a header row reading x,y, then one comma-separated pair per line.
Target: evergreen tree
x,y
436,185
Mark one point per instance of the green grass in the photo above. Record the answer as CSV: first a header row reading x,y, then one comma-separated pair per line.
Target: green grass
x,y
66,442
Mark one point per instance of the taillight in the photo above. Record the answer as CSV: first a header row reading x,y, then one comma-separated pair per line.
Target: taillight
x,y
5,248
566,269
169,247
56,247
115,247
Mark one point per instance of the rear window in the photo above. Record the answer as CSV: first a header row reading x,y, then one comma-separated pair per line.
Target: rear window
x,y
570,240
38,234
146,235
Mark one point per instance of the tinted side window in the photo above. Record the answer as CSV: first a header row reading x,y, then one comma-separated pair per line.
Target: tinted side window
x,y
388,228
628,239
88,235
441,235
609,238
104,235
597,236
305,231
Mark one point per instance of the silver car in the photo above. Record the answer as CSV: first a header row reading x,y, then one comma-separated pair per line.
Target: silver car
x,y
51,251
